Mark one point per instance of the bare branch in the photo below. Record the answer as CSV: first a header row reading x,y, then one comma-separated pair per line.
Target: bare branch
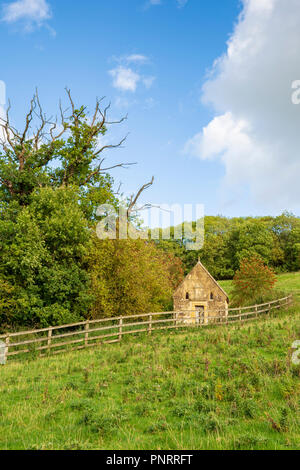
x,y
42,132
8,129
119,189
103,170
119,165
118,122
134,199
43,120
105,147
71,100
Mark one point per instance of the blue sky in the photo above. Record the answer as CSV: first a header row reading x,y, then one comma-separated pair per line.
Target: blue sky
x,y
151,59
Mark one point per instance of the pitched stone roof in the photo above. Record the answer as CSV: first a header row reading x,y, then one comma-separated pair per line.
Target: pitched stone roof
x,y
208,274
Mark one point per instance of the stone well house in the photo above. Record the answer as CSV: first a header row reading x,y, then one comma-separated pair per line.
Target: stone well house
x,y
200,297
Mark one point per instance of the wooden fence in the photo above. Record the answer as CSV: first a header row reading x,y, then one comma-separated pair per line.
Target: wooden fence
x,y
92,333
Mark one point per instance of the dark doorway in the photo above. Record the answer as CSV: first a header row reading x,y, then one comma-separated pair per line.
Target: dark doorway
x,y
200,314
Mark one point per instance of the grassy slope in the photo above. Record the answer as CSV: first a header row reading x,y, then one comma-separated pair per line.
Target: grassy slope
x,y
287,282
213,388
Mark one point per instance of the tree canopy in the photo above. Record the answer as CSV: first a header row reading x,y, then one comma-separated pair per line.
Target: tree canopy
x,y
252,282
229,240
53,270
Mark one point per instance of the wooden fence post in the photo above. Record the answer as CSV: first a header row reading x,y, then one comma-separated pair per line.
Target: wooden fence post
x,y
256,309
86,335
7,339
120,328
150,325
240,313
49,339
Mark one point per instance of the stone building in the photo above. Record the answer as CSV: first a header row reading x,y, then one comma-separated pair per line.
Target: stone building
x,y
199,296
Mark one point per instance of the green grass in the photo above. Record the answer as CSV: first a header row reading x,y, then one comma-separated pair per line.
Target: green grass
x,y
223,387
287,282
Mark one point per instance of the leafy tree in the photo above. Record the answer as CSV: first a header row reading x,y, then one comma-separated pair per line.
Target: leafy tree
x,y
227,241
43,249
48,153
287,230
52,179
6,303
253,281
131,277
216,253
253,239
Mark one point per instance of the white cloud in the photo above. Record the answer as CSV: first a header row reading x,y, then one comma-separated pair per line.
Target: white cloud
x,y
256,131
136,58
181,3
125,79
2,93
32,12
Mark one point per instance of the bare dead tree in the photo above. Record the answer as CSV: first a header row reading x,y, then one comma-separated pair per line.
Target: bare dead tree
x,y
135,197
41,136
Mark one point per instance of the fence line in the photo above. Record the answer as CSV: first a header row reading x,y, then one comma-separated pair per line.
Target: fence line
x,y
84,335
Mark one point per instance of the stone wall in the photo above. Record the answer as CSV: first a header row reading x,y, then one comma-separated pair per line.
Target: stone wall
x,y
203,291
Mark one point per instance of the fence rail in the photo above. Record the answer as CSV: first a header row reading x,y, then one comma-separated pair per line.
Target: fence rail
x,y
87,334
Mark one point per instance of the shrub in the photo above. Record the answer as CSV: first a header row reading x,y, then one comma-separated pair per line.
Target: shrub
x,y
253,282
131,277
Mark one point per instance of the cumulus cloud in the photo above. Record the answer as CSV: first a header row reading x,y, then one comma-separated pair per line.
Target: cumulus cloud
x,y
256,128
124,78
127,79
31,12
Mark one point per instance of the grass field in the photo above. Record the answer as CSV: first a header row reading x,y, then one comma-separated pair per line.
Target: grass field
x,y
214,388
231,387
287,282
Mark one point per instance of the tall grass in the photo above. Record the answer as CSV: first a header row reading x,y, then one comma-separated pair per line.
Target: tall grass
x,y
229,387
286,283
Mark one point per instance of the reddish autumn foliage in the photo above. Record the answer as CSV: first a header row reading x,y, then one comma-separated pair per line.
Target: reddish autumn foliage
x,y
253,282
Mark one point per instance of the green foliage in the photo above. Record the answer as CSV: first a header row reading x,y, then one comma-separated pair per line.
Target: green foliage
x,y
253,239
227,241
6,302
46,154
43,249
131,277
52,271
51,183
253,282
